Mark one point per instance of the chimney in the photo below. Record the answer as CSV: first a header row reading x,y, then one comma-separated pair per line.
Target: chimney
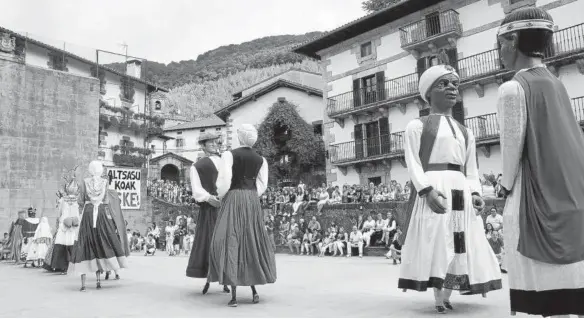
x,y
134,68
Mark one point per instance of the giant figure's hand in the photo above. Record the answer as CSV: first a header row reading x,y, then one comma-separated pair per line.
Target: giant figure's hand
x,y
434,201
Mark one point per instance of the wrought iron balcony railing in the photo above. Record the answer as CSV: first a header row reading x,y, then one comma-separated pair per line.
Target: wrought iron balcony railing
x,y
567,41
578,107
484,127
368,148
392,89
481,64
430,27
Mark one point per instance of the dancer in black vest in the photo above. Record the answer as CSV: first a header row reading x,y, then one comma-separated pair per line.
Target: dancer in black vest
x,y
240,253
203,178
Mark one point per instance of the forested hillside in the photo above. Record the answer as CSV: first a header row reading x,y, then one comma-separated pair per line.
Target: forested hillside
x,y
207,83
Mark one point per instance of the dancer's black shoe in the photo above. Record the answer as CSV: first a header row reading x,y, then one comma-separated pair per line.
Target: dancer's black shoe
x,y
206,288
107,273
448,305
226,289
256,298
441,310
117,277
82,289
98,286
232,303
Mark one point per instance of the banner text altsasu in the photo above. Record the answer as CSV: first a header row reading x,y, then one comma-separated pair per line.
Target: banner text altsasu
x,y
126,181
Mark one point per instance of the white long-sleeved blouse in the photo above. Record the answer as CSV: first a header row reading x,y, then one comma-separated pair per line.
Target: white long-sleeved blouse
x,y
199,193
226,175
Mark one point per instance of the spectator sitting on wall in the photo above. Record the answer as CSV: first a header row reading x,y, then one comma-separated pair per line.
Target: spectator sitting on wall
x,y
314,224
315,242
294,240
395,248
327,243
305,246
495,219
341,242
323,198
368,229
377,236
355,241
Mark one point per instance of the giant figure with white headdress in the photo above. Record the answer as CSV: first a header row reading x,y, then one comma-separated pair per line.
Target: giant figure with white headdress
x,y
543,149
444,245
101,245
240,253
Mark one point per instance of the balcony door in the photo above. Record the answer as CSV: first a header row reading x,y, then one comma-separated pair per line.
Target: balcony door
x,y
373,139
369,89
433,24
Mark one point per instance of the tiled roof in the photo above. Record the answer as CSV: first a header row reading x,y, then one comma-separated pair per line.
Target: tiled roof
x,y
362,25
82,59
277,75
266,89
202,123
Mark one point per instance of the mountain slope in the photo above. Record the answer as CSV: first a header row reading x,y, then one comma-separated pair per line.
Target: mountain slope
x,y
207,83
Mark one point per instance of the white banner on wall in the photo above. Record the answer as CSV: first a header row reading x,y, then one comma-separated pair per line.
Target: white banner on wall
x,y
126,181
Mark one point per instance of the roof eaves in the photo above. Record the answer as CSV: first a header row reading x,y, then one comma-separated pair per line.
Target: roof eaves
x,y
82,59
268,88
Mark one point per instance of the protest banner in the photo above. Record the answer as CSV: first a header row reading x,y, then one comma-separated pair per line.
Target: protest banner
x,y
126,182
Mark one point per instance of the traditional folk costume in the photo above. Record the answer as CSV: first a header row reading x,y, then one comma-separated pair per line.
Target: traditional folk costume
x,y
29,227
67,231
542,150
241,254
101,245
444,250
203,180
41,242
13,248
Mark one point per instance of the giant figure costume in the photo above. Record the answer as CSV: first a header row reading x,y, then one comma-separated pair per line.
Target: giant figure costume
x,y
444,250
543,150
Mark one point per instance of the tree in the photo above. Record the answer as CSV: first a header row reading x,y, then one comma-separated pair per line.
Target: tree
x,y
376,5
288,143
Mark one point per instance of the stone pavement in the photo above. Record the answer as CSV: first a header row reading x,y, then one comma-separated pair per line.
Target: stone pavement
x,y
306,287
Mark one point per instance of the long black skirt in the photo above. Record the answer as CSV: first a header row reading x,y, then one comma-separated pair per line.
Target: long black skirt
x,y
99,248
198,266
58,258
240,252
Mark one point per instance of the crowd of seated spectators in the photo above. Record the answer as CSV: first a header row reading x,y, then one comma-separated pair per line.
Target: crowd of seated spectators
x,y
171,191
291,201
312,238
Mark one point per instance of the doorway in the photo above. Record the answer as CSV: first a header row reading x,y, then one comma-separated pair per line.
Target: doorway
x,y
373,139
433,24
170,172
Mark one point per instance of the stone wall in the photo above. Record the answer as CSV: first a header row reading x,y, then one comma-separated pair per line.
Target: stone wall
x,y
49,122
346,215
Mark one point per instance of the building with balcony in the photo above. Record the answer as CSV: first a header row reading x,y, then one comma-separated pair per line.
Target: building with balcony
x,y
249,106
372,65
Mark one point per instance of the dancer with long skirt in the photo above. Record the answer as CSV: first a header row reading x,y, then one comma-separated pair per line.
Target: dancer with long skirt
x,y
241,254
29,227
13,248
541,146
203,184
100,246
67,231
444,246
41,242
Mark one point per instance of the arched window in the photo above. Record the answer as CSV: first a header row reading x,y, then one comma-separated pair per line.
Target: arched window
x,y
157,106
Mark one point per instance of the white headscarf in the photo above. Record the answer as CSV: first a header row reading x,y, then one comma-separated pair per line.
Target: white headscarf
x,y
44,229
95,169
247,135
430,76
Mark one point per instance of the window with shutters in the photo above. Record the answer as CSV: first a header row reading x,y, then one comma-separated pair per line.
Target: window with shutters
x,y
366,49
180,142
